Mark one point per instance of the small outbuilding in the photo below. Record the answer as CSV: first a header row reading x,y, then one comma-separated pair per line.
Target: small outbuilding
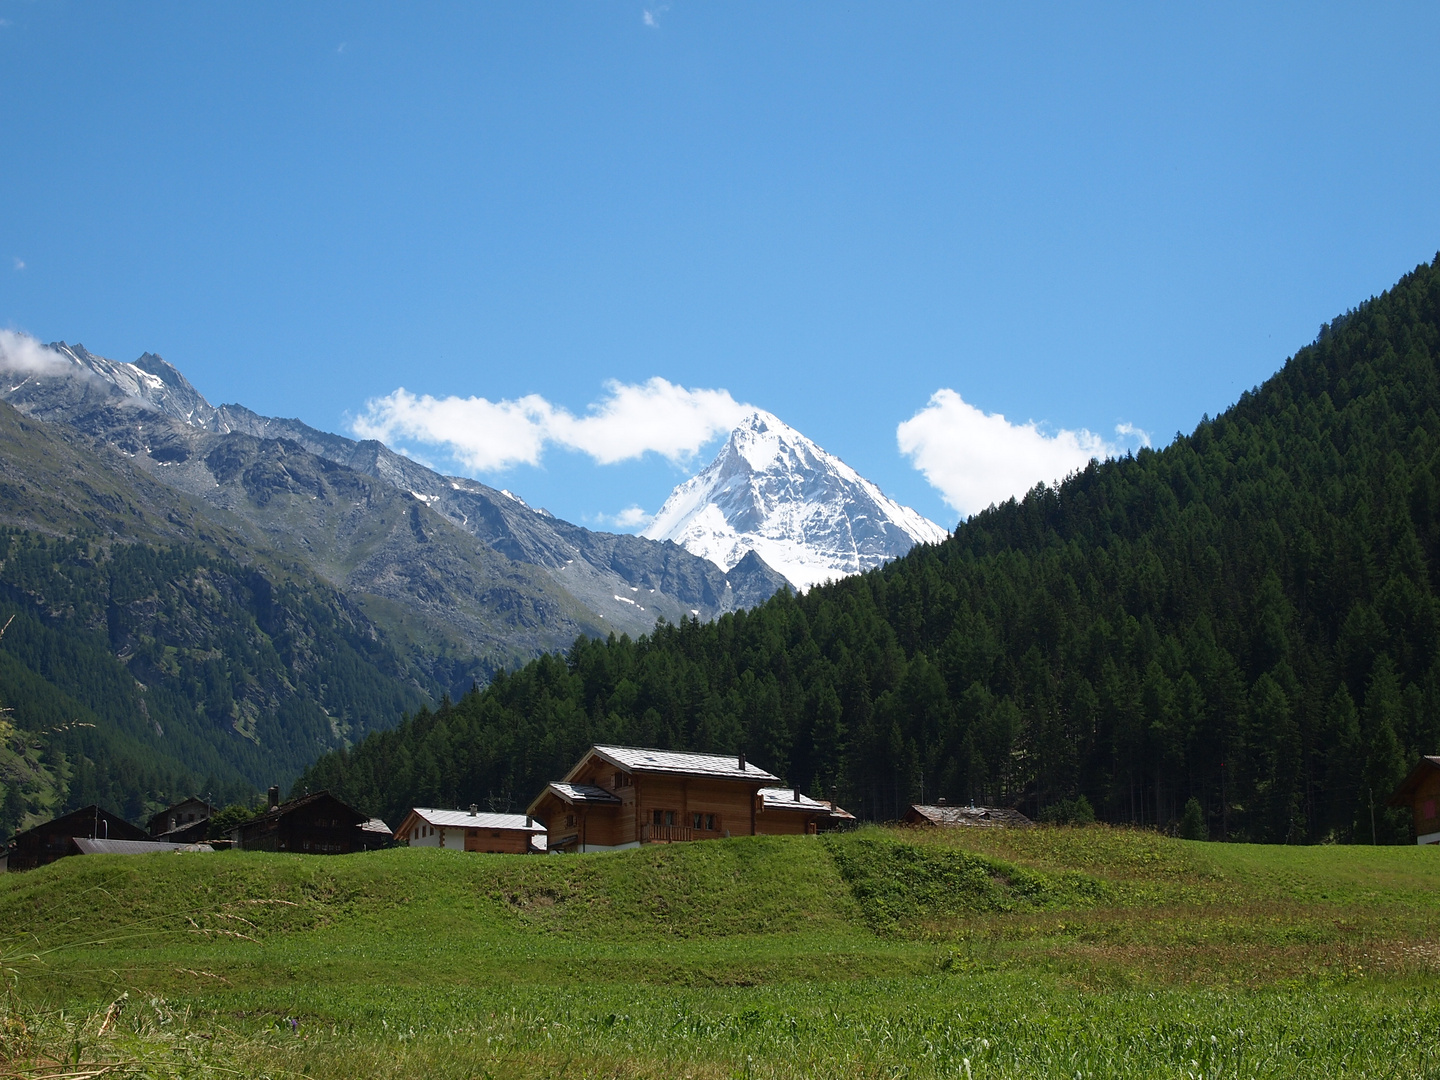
x,y
184,823
52,840
470,830
1420,791
976,817
788,811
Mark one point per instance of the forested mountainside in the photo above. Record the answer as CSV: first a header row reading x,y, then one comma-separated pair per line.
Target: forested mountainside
x,y
142,661
1248,617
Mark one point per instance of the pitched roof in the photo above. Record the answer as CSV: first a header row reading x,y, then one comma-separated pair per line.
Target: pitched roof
x,y
463,819
680,763
296,804
784,798
980,816
132,847
581,793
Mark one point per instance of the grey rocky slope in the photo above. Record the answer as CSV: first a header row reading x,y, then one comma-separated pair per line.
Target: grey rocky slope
x,y
397,535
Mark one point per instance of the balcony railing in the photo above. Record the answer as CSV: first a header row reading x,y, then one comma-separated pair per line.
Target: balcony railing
x,y
665,834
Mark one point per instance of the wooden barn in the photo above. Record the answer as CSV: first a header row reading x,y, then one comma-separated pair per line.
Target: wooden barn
x,y
975,817
623,796
318,824
470,830
1420,791
53,840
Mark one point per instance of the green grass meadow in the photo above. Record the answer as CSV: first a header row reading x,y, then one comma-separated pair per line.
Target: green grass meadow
x,y
1055,952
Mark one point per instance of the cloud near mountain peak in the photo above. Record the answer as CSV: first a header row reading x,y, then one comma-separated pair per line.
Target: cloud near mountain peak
x,y
630,420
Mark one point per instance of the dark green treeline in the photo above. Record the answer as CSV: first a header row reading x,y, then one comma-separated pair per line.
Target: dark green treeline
x,y
1248,617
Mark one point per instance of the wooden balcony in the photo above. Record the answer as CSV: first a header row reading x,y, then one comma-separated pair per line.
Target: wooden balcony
x,y
665,834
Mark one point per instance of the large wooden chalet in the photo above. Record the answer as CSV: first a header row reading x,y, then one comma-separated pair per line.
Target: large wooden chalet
x,y
623,796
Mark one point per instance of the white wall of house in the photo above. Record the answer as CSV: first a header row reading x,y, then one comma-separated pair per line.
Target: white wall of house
x,y
438,836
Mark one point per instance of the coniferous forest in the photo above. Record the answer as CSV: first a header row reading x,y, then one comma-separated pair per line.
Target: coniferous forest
x,y
1247,617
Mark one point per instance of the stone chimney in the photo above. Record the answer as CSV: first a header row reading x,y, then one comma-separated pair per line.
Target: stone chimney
x,y
474,807
940,801
529,821
274,796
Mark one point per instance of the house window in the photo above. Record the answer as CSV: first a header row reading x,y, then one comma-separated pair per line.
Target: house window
x,y
669,817
697,821
570,819
658,817
711,823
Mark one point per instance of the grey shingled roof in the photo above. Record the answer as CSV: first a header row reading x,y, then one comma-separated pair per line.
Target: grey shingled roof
x,y
681,763
463,819
582,793
981,816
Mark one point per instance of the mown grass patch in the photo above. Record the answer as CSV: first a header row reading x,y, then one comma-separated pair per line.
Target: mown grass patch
x,y
880,953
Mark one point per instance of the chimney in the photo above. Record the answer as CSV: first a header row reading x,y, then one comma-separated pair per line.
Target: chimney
x,y
473,807
529,821
940,801
274,796
797,794
742,760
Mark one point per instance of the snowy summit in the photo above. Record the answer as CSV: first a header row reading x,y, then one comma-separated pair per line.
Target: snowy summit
x,y
805,512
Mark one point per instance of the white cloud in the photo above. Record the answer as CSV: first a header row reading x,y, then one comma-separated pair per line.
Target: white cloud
x,y
630,519
651,17
19,263
21,352
486,436
1130,431
975,458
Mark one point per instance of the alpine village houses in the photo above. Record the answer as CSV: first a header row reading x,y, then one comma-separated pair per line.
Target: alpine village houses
x,y
618,797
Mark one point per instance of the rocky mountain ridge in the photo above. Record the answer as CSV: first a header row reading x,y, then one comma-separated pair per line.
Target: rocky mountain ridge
x,y
323,494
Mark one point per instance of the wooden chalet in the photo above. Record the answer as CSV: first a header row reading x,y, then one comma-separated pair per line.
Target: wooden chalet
x,y
52,840
975,817
318,824
623,796
184,823
1420,791
470,830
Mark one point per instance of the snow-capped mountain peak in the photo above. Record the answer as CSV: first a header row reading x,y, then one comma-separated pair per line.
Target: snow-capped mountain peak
x,y
803,510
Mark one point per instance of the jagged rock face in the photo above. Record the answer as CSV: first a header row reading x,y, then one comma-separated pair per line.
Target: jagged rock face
x,y
773,492
326,494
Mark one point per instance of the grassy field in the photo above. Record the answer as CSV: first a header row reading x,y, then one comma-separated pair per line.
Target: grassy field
x,y
1044,953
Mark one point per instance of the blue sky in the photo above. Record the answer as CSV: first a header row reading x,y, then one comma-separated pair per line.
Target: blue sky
x,y
1125,215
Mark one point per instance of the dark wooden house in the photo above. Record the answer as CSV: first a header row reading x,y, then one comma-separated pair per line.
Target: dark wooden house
x,y
184,823
1420,791
318,824
45,843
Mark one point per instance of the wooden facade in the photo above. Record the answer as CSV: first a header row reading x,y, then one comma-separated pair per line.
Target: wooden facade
x,y
462,830
620,797
52,840
1420,791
